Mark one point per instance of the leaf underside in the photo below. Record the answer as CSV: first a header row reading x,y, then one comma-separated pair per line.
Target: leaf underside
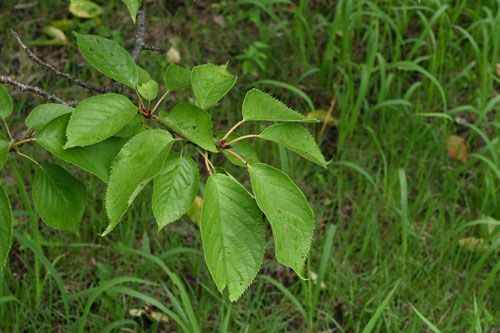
x,y
139,161
296,138
192,123
288,212
243,148
233,234
174,189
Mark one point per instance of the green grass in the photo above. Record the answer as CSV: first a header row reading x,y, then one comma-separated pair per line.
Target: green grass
x,y
390,209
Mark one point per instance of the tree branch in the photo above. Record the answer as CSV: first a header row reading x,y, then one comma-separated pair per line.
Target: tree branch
x,y
152,48
140,24
45,64
37,90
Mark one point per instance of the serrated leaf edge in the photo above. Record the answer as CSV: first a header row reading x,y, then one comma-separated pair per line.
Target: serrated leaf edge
x,y
306,255
304,120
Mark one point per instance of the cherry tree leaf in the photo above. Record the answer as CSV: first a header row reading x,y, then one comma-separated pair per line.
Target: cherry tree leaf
x,y
98,118
95,159
233,234
109,58
260,106
5,226
242,148
4,150
177,77
210,83
296,138
139,161
131,128
174,189
6,105
133,6
146,86
59,197
192,123
148,90
85,9
287,210
43,114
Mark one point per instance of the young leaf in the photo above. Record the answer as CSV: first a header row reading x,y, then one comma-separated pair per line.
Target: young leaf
x,y
242,148
174,189
296,138
177,77
194,213
85,9
131,128
6,105
59,197
98,118
96,159
146,86
258,105
133,6
192,123
139,161
233,234
43,114
5,227
210,83
148,90
288,212
109,58
4,150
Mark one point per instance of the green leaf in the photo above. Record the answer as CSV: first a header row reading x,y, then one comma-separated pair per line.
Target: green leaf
x,y
98,118
242,148
5,226
6,105
85,9
296,138
192,123
96,159
131,128
139,161
233,234
4,150
174,189
194,213
45,113
258,105
177,77
59,197
148,90
210,83
147,87
288,212
109,58
133,6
